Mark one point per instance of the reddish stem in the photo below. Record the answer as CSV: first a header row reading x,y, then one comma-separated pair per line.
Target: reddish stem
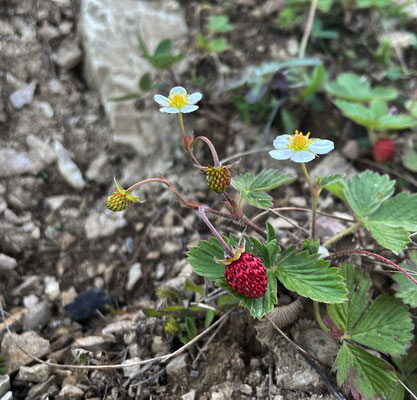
x,y
368,253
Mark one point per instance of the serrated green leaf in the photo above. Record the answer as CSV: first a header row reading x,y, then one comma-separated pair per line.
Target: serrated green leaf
x,y
379,108
385,327
407,289
311,277
145,82
191,327
390,237
254,246
384,93
394,122
357,113
398,211
163,61
338,189
258,199
315,82
360,371
203,257
273,249
323,181
219,45
243,182
410,159
269,179
347,314
311,245
164,47
219,24
366,192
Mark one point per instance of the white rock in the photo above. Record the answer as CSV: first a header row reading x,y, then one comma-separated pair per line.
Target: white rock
x,y
94,171
45,108
103,224
7,396
90,343
51,288
14,162
4,384
69,55
134,370
135,273
177,367
68,169
70,392
23,96
188,396
37,373
40,152
7,263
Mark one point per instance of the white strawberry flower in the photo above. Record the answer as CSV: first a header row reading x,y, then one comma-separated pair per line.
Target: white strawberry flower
x,y
178,101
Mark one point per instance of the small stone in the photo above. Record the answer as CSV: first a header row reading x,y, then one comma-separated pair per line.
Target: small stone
x,y
70,392
4,384
160,271
135,273
7,263
29,285
134,370
91,343
51,288
103,224
188,396
65,27
159,346
217,396
14,358
69,55
48,32
118,328
55,86
171,247
37,317
246,389
280,223
95,170
14,162
67,168
8,396
56,202
298,201
23,96
177,367
30,301
40,151
45,108
37,373
47,389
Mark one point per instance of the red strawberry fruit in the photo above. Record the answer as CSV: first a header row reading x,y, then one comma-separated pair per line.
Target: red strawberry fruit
x,y
383,150
247,276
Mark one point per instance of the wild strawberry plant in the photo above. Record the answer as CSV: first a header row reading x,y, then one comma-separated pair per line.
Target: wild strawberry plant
x,y
250,267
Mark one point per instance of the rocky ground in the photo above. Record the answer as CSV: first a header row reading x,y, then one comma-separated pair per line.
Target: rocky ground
x,y
62,141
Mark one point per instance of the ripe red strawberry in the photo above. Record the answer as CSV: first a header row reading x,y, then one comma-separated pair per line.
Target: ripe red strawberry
x,y
218,178
383,150
247,276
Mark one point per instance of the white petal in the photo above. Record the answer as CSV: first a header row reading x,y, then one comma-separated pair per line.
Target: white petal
x,y
188,109
283,154
302,156
194,98
162,100
281,142
169,110
321,146
177,90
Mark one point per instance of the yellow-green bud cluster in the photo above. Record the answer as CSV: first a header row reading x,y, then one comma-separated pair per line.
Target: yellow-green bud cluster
x,y
118,201
172,327
218,178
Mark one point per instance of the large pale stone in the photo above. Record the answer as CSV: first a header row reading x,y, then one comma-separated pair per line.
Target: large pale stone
x,y
113,63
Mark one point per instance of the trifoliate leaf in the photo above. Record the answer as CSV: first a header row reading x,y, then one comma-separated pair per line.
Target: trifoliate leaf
x,y
219,23
203,257
386,326
360,371
355,88
366,192
407,289
357,113
323,181
258,199
390,237
347,314
311,277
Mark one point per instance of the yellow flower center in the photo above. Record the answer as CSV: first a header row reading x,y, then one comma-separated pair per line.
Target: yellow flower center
x,y
299,142
178,100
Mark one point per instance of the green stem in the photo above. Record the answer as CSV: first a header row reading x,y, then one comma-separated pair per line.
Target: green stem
x,y
372,135
314,198
318,317
184,136
341,234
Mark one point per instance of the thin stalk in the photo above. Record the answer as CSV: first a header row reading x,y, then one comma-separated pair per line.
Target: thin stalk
x,y
372,135
308,28
314,199
318,317
368,253
184,136
341,234
211,146
137,184
202,211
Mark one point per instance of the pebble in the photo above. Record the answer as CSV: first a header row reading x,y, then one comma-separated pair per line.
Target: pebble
x,y
14,358
45,108
135,273
4,384
7,396
188,396
95,169
70,392
133,371
118,328
48,32
177,367
90,343
103,224
159,346
69,55
51,288
29,285
23,96
40,150
171,247
37,317
7,263
67,168
14,162
160,271
37,373
43,390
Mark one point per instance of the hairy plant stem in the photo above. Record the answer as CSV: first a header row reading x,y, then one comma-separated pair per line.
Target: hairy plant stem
x,y
319,320
202,211
338,236
210,145
368,253
314,198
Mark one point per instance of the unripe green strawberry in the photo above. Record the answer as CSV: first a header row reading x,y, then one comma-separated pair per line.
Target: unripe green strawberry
x,y
120,199
218,178
247,276
383,150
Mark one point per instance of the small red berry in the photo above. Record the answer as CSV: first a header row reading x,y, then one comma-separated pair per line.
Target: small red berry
x,y
383,150
247,276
